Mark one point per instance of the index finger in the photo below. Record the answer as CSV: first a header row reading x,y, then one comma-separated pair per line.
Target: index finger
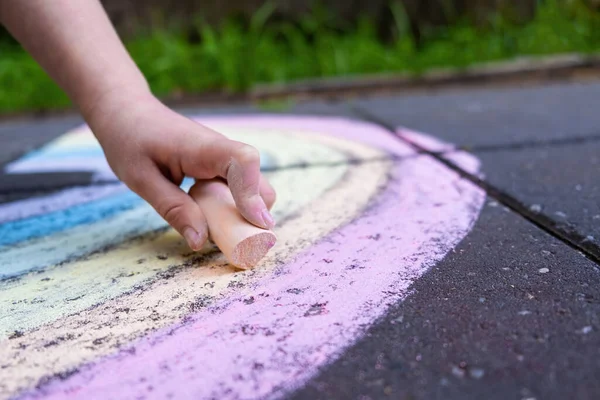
x,y
236,162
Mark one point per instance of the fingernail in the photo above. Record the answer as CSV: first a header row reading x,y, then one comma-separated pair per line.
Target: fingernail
x,y
193,239
268,219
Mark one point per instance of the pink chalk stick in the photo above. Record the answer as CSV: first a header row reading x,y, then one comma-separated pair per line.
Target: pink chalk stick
x,y
243,244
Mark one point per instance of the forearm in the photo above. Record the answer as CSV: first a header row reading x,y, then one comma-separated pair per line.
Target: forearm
x,y
76,44
150,147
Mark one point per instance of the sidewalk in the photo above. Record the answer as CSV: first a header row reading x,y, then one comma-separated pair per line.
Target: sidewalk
x,y
462,263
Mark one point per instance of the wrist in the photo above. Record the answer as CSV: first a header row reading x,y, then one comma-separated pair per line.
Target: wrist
x,y
115,102
112,97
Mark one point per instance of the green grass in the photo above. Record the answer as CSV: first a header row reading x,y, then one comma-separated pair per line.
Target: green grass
x,y
236,57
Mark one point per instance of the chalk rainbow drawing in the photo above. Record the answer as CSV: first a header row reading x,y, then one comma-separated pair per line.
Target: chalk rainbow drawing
x,y
98,299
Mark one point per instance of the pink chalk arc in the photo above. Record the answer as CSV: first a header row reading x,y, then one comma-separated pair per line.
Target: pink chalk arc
x,y
303,315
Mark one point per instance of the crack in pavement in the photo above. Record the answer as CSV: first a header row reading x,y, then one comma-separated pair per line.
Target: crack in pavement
x,y
579,139
12,186
569,236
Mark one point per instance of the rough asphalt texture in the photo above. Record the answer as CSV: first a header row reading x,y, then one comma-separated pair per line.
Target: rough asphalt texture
x,y
483,118
560,181
17,138
513,312
486,323
20,137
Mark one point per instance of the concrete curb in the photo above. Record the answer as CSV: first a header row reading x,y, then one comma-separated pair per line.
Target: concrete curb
x,y
519,71
548,68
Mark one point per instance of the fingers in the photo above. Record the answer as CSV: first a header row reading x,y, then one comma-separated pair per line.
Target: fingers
x,y
267,192
243,178
240,165
174,205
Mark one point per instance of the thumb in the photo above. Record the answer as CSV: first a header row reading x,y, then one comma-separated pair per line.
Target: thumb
x,y
239,164
175,206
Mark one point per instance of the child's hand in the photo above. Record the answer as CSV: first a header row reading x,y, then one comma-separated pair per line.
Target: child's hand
x,y
148,146
151,149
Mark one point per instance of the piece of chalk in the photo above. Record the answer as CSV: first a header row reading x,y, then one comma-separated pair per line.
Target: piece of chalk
x,y
242,243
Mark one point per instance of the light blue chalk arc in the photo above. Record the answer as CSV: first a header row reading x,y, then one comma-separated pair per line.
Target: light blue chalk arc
x,y
87,213
77,242
82,214
267,161
52,153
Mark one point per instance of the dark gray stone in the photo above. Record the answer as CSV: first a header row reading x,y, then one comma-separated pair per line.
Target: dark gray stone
x,y
484,117
20,137
562,182
488,322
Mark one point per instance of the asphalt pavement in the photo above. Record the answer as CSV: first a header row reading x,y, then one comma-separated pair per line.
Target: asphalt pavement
x,y
514,311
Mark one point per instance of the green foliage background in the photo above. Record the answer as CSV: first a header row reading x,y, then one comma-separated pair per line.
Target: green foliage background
x,y
236,56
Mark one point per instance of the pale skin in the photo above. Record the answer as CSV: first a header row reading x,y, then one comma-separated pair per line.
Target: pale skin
x,y
149,147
